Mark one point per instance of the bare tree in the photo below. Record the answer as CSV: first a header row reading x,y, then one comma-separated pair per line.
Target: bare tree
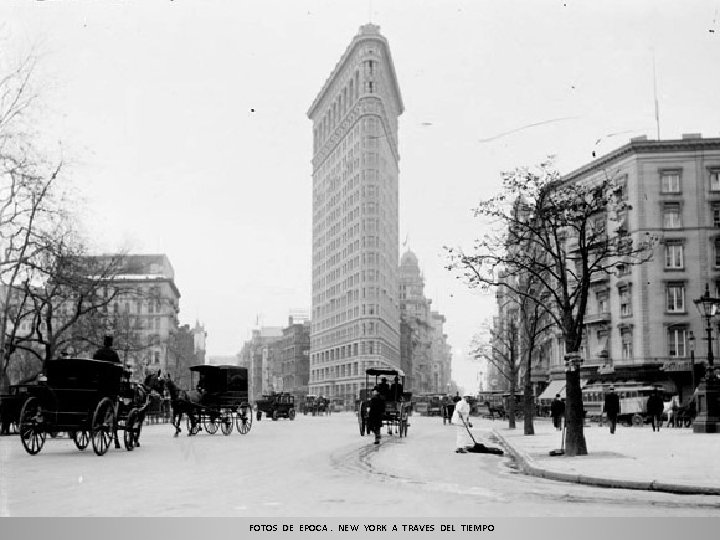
x,y
555,232
30,204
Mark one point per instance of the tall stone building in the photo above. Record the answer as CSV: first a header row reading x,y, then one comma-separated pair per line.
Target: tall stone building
x,y
425,353
355,313
639,320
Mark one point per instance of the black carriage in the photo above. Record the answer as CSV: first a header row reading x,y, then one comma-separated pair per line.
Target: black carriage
x,y
397,405
276,405
311,405
220,400
10,405
89,399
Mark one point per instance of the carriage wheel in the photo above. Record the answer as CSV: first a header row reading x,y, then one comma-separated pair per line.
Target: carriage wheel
x,y
131,426
291,414
361,423
226,422
211,424
81,439
637,420
243,420
31,430
103,426
275,415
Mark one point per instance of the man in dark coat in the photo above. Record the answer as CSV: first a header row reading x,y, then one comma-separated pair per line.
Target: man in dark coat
x,y
106,352
375,415
557,411
612,408
655,407
396,390
383,388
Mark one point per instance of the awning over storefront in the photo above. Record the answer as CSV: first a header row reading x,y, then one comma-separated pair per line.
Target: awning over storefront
x,y
555,387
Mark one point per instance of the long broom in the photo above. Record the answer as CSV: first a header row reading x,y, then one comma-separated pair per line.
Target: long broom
x,y
479,448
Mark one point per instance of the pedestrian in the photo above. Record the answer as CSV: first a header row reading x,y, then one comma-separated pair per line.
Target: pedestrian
x,y
557,411
383,388
655,408
375,415
449,408
461,415
106,352
612,408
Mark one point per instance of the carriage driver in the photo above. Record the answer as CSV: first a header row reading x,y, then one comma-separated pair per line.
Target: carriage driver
x,y
383,388
396,390
106,352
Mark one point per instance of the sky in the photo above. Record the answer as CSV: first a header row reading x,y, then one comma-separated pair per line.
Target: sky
x,y
184,124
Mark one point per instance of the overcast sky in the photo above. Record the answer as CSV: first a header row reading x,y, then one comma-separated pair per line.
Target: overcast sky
x,y
185,123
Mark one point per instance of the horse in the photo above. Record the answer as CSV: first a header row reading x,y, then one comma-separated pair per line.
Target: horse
x,y
180,404
141,396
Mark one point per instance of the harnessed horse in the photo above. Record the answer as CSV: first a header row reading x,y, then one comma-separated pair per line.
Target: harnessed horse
x,y
180,404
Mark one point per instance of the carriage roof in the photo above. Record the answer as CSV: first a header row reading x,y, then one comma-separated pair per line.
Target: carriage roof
x,y
69,366
210,368
84,374
379,371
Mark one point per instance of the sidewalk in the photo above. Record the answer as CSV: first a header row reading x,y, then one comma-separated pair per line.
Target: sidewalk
x,y
674,460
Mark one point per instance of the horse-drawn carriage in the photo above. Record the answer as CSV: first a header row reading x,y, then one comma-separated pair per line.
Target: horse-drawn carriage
x,y
315,405
220,400
276,405
89,399
397,404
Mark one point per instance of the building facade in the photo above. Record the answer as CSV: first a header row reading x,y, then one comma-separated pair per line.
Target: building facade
x,y
425,353
639,320
355,312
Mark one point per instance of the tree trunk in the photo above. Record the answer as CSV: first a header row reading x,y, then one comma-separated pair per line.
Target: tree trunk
x,y
511,401
574,418
528,401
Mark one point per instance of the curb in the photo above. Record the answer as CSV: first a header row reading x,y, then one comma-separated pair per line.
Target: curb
x,y
527,466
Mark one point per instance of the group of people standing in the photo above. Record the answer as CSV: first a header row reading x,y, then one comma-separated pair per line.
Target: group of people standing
x,y
611,408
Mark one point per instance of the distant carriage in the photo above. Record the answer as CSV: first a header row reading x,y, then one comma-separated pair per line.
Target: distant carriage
x,y
276,405
89,399
220,400
397,408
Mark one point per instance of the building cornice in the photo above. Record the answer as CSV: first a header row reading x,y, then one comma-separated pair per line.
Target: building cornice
x,y
644,146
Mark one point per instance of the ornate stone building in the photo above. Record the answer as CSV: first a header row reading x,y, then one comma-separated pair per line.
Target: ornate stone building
x,y
355,314
425,353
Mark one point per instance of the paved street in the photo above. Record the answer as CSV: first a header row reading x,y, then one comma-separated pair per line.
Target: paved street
x,y
314,466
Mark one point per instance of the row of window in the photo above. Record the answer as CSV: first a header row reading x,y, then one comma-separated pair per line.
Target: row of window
x,y
671,180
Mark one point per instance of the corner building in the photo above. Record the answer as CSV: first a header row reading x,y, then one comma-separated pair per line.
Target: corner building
x,y
355,312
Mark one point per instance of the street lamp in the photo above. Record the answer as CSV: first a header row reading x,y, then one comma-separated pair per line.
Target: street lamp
x,y
708,392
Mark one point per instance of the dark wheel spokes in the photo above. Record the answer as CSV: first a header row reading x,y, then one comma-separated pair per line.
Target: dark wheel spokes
x,y
132,423
32,433
211,423
226,421
81,438
243,420
103,426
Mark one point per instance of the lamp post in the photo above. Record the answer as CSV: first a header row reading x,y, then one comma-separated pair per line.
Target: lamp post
x,y
691,341
708,392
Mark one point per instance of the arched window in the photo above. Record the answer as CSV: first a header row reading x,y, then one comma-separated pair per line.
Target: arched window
x,y
352,90
357,84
